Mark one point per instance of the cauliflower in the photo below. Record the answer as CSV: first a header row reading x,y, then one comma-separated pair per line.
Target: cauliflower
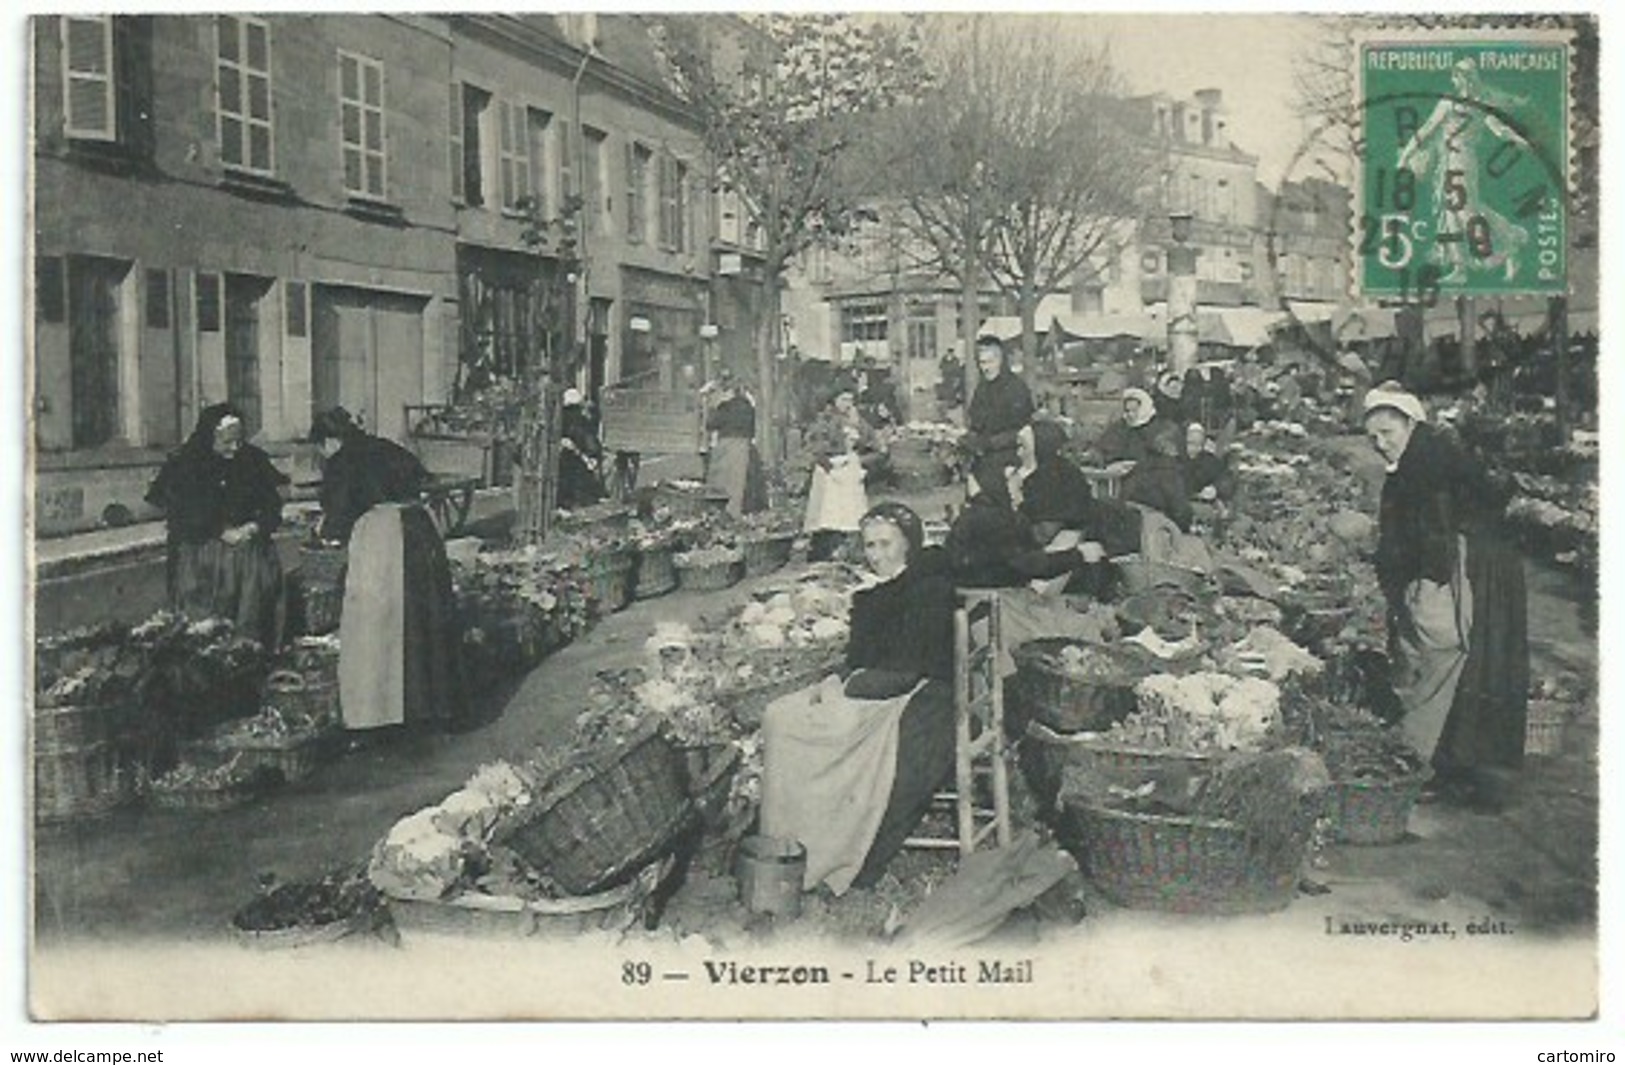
x,y
418,859
828,629
753,614
1202,710
766,635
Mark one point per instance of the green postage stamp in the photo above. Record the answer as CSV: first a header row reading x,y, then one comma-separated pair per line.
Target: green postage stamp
x,y
1463,180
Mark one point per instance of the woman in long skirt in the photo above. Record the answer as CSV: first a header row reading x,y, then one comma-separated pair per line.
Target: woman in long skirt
x,y
1457,607
222,500
398,635
733,464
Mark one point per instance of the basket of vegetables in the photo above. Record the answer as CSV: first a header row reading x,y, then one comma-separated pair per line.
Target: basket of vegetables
x,y
610,810
656,571
608,572
206,786
272,746
304,700
1072,686
767,551
690,499
746,690
710,569
321,586
291,915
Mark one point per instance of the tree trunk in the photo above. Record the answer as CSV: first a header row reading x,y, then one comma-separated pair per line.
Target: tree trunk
x,y
970,308
769,420
1027,303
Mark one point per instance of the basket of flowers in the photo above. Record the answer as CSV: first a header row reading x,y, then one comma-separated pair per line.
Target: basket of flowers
x,y
271,745
202,785
606,813
709,569
745,688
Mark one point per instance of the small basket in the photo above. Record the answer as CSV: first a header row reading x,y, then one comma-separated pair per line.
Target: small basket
x,y
1372,812
598,821
303,698
1182,864
1040,691
783,672
767,554
656,572
710,575
1545,726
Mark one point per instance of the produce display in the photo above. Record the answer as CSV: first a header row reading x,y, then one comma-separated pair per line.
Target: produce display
x,y
1200,712
441,848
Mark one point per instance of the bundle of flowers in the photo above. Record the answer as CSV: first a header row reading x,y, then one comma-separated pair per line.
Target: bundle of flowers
x,y
1200,713
524,588
439,849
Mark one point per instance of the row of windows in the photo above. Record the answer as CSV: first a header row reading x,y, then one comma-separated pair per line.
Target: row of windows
x,y
503,152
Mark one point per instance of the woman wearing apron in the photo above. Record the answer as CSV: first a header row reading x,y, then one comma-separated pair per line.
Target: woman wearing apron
x,y
398,637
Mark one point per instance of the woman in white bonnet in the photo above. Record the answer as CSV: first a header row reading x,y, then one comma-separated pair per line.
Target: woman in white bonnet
x,y
1457,611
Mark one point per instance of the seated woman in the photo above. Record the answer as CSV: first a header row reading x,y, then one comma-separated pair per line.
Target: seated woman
x,y
992,544
851,763
1128,440
1207,474
1158,480
1055,495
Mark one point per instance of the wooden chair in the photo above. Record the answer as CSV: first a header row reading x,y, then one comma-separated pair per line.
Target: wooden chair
x,y
980,750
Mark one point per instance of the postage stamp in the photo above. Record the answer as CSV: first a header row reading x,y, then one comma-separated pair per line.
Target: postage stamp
x,y
1463,180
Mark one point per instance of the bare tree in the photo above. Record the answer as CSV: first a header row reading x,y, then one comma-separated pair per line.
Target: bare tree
x,y
780,99
1026,165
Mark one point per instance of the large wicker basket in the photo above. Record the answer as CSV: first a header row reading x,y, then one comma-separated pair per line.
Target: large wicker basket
x,y
1182,864
1374,811
609,579
696,502
768,553
656,572
704,573
598,821
321,587
474,915
1042,691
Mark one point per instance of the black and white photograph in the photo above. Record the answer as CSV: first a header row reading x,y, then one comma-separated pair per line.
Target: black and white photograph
x,y
804,514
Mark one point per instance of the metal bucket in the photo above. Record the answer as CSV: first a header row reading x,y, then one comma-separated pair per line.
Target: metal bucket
x,y
771,874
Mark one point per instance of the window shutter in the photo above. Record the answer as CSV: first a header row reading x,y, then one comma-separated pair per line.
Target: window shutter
x,y
157,299
50,289
87,72
633,222
459,190
208,303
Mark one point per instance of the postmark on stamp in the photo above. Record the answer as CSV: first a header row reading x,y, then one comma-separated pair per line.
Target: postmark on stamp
x,y
1462,187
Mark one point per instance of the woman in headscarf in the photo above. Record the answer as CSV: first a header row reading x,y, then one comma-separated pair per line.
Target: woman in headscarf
x,y
1207,474
222,499
850,764
581,455
1170,399
1126,440
1001,405
1158,478
398,634
733,463
1457,607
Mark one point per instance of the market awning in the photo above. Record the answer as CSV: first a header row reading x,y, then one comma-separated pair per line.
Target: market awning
x,y
1106,326
1367,323
1307,311
1236,327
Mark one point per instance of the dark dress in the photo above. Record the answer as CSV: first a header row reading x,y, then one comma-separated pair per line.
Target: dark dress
x,y
734,464
580,452
1206,469
202,495
1436,495
1122,442
902,631
1158,482
990,545
995,417
369,472
1057,495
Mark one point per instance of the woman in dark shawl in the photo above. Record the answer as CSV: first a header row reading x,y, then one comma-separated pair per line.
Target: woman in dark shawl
x,y
398,636
733,463
851,763
1001,406
1158,478
1457,607
992,544
1055,495
222,499
581,454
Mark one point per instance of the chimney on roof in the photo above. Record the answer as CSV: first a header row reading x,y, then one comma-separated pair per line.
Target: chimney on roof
x,y
1211,102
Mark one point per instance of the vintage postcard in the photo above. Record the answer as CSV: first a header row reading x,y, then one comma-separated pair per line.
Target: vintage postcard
x,y
616,515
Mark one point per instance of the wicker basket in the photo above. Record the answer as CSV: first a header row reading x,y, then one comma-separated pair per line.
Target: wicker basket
x,y
1369,812
767,554
300,697
711,575
607,520
598,821
78,781
474,915
292,759
204,800
1042,692
698,502
1545,726
609,579
306,935
783,672
656,572
321,587
1181,864
1046,755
